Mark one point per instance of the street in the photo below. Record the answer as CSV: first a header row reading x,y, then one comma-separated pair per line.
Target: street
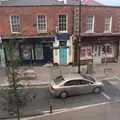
x,y
43,100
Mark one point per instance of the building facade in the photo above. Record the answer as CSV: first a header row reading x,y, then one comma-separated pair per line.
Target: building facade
x,y
99,35
49,31
42,32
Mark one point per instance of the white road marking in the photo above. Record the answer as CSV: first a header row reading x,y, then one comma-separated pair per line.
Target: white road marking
x,y
106,96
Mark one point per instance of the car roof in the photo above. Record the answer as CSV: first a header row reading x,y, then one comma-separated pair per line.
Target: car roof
x,y
68,77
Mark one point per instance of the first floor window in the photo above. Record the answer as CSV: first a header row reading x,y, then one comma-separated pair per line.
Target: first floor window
x,y
90,24
108,23
42,23
15,24
62,23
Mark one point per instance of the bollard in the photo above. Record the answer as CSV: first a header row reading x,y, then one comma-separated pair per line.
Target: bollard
x,y
51,109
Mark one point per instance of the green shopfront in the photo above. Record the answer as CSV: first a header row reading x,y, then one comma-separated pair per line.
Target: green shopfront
x,y
62,49
34,50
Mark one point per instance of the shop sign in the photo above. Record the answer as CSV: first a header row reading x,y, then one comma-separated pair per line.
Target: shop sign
x,y
62,36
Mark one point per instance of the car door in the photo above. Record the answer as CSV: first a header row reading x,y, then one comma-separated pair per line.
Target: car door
x,y
85,86
71,87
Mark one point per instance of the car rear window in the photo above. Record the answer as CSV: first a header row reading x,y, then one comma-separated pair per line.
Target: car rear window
x,y
58,80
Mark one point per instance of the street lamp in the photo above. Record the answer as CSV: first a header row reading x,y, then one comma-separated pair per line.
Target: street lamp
x,y
79,39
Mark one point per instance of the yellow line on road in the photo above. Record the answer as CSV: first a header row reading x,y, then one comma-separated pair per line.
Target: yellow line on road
x,y
38,86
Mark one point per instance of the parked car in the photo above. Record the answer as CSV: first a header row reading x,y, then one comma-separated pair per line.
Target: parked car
x,y
74,84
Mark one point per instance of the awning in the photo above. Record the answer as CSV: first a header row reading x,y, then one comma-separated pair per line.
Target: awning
x,y
32,38
100,34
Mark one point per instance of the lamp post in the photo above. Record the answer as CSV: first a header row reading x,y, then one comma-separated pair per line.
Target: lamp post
x,y
79,39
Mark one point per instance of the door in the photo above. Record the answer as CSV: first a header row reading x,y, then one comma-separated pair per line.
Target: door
x,y
63,55
84,86
48,53
97,53
71,87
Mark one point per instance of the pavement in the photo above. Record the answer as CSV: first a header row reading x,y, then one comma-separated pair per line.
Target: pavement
x,y
46,73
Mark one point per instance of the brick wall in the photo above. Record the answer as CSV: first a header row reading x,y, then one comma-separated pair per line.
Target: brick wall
x,y
100,13
29,14
28,18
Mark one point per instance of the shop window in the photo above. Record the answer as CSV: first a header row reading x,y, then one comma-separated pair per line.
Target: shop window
x,y
63,43
26,52
89,51
38,51
86,52
83,52
107,50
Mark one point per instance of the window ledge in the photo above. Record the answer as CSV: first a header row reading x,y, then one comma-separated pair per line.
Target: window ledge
x,y
62,32
45,31
89,32
107,32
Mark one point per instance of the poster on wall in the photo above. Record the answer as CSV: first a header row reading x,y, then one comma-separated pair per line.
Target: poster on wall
x,y
107,50
86,52
27,52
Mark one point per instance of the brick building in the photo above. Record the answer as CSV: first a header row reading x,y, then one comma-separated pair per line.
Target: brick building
x,y
46,31
41,28
100,36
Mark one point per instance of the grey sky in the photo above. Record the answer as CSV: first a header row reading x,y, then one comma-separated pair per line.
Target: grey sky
x,y
110,2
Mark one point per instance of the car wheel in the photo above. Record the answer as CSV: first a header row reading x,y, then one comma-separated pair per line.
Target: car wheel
x,y
63,95
97,90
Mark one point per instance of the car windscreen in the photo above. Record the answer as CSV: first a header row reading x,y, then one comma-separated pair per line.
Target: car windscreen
x,y
58,80
88,77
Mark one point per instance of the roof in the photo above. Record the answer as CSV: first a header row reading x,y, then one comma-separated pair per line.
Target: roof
x,y
72,76
46,2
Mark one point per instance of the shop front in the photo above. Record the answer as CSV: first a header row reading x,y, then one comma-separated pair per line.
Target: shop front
x,y
62,49
35,50
100,49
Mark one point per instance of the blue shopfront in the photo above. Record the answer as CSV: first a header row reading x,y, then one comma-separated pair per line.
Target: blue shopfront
x,y
61,48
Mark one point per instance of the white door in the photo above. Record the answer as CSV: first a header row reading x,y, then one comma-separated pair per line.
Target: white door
x,y
97,53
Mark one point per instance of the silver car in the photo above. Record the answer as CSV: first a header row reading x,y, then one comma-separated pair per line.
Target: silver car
x,y
74,84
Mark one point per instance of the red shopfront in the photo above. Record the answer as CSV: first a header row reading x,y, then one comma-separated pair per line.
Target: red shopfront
x,y
99,49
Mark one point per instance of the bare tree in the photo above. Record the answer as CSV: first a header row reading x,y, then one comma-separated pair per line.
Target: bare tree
x,y
14,95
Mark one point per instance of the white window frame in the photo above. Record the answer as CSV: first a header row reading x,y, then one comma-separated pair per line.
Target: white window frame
x,y
110,24
63,31
10,18
45,30
93,24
